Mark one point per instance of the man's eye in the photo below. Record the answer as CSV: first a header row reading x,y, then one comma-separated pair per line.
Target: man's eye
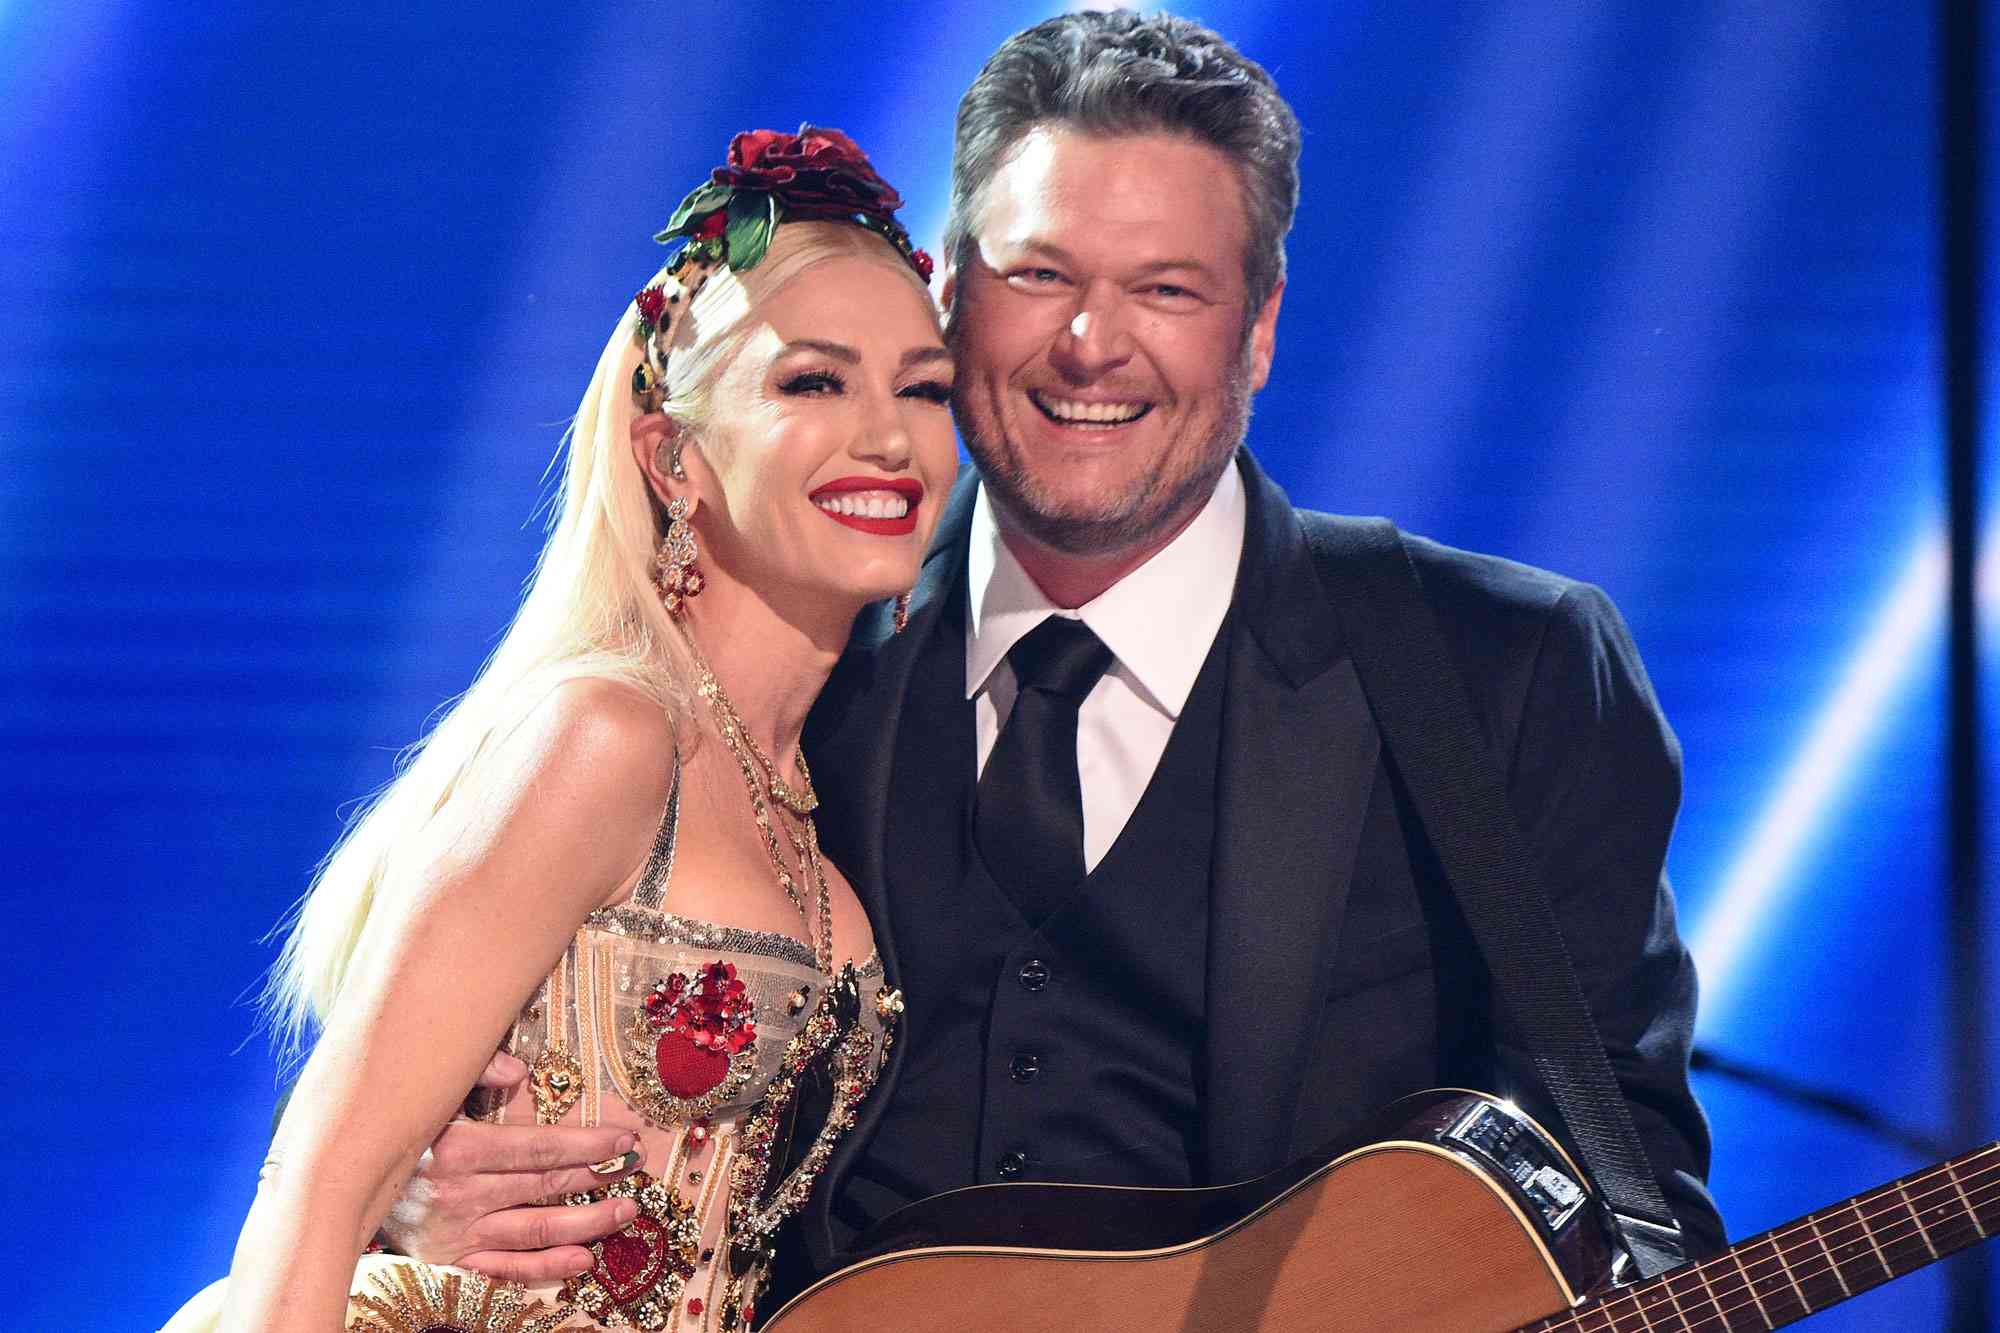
x,y
930,391
1039,276
812,382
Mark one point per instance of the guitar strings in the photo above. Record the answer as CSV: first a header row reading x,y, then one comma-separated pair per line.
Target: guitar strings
x,y
1705,1295
1972,1183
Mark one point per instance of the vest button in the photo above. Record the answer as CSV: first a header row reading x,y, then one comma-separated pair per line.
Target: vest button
x,y
1011,1164
1025,1066
1034,974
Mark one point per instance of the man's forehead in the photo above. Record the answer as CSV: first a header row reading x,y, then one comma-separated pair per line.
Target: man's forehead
x,y
1062,188
1051,153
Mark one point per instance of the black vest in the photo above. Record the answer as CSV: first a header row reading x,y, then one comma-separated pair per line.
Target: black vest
x,y
1068,1052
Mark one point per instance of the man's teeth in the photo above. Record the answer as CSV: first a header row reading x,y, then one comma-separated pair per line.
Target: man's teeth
x,y
866,504
1065,409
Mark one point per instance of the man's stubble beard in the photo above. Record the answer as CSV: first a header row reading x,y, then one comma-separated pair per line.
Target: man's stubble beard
x,y
1153,503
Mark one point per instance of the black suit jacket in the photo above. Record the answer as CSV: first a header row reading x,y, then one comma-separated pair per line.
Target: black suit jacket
x,y
1340,975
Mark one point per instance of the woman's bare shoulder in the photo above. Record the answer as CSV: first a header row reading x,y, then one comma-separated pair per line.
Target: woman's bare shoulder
x,y
605,737
573,792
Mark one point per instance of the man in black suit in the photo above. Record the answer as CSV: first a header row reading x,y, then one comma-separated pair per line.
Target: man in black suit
x,y
1132,843
1246,944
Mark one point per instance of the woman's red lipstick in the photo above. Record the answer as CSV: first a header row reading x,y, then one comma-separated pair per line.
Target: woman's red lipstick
x,y
909,488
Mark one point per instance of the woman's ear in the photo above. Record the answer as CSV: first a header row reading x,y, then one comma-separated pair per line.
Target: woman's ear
x,y
656,448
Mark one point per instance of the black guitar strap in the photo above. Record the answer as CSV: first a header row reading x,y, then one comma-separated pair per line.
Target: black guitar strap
x,y
1425,715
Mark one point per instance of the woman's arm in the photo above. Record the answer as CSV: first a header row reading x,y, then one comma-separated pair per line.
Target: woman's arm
x,y
449,955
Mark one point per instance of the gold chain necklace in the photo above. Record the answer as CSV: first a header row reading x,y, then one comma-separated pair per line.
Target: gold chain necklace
x,y
801,800
736,738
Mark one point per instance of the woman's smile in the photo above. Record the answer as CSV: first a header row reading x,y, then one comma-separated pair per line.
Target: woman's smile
x,y
882,506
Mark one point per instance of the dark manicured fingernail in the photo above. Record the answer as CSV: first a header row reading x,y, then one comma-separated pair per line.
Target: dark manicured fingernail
x,y
612,1166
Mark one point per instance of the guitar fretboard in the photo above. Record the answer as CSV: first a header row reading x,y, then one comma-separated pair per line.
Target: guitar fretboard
x,y
1821,1259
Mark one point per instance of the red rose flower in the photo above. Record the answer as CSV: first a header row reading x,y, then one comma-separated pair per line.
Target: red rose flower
x,y
712,225
816,173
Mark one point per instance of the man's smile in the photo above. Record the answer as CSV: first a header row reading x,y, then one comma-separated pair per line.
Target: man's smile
x,y
1085,413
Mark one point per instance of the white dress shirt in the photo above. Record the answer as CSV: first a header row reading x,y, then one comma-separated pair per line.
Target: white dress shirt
x,y
1159,622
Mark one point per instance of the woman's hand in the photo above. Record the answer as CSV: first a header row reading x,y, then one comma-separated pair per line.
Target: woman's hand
x,y
477,1199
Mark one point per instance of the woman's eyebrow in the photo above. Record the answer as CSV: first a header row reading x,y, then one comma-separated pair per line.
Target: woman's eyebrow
x,y
838,351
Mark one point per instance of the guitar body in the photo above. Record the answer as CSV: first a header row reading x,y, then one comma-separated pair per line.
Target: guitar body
x,y
1464,1215
1451,1213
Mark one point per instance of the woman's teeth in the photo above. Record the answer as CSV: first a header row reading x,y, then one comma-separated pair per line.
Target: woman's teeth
x,y
1096,414
865,504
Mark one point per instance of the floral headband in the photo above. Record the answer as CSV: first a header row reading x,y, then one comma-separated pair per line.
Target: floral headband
x,y
816,175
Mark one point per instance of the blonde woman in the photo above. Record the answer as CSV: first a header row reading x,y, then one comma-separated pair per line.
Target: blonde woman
x,y
603,860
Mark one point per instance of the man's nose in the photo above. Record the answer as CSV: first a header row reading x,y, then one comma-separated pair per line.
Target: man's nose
x,y
1096,340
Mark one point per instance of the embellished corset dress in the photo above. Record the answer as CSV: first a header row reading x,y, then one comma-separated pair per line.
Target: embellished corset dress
x,y
705,1039
738,1063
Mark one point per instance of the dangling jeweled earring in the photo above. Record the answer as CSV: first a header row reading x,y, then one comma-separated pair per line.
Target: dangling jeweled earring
x,y
675,576
902,621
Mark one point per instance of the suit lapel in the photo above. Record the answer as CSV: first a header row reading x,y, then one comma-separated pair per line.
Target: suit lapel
x,y
1298,758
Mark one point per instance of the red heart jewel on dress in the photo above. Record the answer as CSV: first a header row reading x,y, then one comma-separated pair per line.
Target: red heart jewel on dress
x,y
629,1262
687,1070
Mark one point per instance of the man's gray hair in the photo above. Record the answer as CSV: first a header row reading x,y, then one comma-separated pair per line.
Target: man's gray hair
x,y
1126,73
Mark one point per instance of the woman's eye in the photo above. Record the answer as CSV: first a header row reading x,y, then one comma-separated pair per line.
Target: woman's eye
x,y
812,382
930,391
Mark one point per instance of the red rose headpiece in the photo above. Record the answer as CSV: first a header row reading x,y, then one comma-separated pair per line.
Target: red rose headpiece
x,y
816,175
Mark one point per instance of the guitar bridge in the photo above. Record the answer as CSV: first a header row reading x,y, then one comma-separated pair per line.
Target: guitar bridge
x,y
1511,1144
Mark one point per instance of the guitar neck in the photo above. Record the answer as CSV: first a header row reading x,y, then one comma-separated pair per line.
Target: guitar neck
x,y
1819,1260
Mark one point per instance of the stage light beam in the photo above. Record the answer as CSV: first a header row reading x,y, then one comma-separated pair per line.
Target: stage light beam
x,y
1760,882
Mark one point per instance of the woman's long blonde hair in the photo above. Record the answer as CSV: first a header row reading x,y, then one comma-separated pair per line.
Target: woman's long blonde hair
x,y
589,611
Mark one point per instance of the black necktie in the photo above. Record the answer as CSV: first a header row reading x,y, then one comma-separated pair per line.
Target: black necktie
x,y
1028,813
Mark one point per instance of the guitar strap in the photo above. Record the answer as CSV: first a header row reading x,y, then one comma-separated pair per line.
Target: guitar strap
x,y
1425,716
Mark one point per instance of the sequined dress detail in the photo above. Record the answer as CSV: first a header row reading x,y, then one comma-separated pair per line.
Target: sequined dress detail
x,y
704,1033
706,1039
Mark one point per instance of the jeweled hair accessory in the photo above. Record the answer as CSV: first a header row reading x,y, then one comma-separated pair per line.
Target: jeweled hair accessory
x,y
816,175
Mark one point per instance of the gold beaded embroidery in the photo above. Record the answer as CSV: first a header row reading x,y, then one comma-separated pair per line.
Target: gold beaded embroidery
x,y
833,1033
415,1298
665,928
555,1078
638,1274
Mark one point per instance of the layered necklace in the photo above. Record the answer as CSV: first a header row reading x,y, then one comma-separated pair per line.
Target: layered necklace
x,y
761,780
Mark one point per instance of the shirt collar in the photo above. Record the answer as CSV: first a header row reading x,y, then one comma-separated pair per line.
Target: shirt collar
x,y
1186,585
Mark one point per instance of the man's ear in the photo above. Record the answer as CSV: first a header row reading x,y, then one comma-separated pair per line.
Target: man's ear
x,y
948,298
1264,337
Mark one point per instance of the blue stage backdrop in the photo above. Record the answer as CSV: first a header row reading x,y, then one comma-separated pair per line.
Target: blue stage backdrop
x,y
298,298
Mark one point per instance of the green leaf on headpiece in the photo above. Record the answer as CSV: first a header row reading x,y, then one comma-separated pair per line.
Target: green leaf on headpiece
x,y
701,201
752,216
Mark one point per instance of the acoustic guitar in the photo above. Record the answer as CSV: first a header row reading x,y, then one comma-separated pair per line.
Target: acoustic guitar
x,y
1452,1212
